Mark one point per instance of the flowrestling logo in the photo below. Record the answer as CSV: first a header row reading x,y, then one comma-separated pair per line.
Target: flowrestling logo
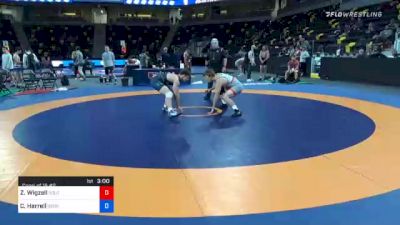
x,y
363,14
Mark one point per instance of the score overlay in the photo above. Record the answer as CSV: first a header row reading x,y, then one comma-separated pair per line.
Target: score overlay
x,y
65,194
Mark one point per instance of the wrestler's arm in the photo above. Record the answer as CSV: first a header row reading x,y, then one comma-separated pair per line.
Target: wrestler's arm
x,y
175,89
217,92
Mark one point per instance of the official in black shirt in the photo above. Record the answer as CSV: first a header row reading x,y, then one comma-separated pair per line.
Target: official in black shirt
x,y
216,60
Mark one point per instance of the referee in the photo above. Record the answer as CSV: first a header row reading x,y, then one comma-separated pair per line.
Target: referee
x,y
216,60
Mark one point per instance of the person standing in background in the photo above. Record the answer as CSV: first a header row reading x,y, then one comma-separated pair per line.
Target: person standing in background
x,y
240,61
175,58
17,57
17,75
7,63
303,64
87,65
264,56
46,61
73,56
249,61
187,60
29,60
108,58
144,59
216,60
165,58
78,63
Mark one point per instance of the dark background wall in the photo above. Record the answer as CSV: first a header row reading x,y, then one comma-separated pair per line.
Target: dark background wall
x,y
367,70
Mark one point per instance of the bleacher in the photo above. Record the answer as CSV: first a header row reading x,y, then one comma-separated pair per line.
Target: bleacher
x,y
7,34
325,33
136,38
59,40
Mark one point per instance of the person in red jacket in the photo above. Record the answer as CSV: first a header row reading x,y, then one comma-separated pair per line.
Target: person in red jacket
x,y
293,69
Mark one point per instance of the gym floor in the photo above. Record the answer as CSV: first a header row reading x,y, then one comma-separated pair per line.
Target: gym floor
x,y
320,152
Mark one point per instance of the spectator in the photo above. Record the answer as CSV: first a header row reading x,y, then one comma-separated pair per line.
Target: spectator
x,y
371,28
283,52
303,43
29,60
292,70
387,49
166,58
130,62
46,61
109,63
291,51
378,53
392,24
17,75
187,60
396,46
361,53
359,24
17,58
317,62
249,61
239,62
175,58
7,63
386,33
77,57
264,56
73,56
303,64
339,51
87,65
144,59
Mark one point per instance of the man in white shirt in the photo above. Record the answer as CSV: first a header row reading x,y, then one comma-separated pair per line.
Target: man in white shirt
x,y
303,57
250,61
109,63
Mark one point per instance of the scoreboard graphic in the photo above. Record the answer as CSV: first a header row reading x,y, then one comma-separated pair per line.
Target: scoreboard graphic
x,y
65,194
129,2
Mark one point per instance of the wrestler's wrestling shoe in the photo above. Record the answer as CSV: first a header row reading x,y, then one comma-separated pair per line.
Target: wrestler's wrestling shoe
x,y
237,113
173,113
223,107
164,108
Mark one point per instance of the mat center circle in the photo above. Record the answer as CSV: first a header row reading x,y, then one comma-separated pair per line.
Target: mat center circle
x,y
193,111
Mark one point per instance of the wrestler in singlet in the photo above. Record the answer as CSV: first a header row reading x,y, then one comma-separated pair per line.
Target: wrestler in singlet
x,y
264,55
232,83
160,80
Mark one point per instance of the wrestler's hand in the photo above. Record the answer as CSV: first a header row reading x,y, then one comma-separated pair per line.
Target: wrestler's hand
x,y
208,91
180,110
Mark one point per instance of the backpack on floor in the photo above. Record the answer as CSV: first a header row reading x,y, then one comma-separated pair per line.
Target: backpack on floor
x,y
64,81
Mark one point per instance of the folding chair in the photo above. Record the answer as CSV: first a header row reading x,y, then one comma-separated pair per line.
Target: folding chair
x,y
49,79
3,88
31,82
